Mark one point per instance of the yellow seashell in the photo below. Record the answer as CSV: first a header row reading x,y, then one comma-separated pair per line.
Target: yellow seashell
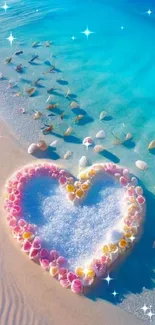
x,y
27,235
132,199
106,249
123,243
79,193
128,234
83,176
90,273
151,145
79,271
112,247
54,271
70,188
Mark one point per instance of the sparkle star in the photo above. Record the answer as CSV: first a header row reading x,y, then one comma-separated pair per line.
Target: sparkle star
x,y
149,12
87,32
11,39
122,27
132,238
73,38
144,308
150,314
114,293
5,7
108,279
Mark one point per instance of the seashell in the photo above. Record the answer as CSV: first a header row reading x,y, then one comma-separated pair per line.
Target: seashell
x,y
100,134
31,91
68,131
117,142
74,104
141,164
99,148
34,44
54,271
42,145
103,114
67,154
37,115
65,283
87,141
128,136
79,118
54,143
77,286
83,162
32,148
44,263
151,145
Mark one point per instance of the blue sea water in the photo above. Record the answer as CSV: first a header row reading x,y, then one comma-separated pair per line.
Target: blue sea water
x,y
113,70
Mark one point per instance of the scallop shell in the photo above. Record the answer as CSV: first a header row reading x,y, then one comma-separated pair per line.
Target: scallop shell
x,y
32,148
103,114
99,148
151,145
74,104
68,131
83,162
141,164
100,134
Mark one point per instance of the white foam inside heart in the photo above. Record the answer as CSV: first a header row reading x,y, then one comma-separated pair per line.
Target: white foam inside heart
x,y
75,231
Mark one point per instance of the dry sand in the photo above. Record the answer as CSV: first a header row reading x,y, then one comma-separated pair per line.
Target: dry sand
x,y
27,295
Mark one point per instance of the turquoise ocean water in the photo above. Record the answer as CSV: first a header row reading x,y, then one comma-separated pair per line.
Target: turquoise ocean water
x,y
113,70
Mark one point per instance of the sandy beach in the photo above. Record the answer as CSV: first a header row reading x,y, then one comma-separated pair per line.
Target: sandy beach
x,y
28,296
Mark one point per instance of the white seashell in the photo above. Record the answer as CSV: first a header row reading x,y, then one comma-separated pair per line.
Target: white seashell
x,y
37,115
134,181
67,154
151,145
99,148
100,134
83,162
141,164
32,148
103,114
74,104
68,131
128,136
54,143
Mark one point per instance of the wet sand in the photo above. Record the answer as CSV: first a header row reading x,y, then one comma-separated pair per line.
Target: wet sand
x,y
27,295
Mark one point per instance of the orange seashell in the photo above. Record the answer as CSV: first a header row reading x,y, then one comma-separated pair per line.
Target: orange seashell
x,y
85,186
70,188
79,271
90,273
91,172
79,193
122,243
27,235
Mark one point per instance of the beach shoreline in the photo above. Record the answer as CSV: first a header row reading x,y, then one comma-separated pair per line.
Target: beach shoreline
x,y
27,295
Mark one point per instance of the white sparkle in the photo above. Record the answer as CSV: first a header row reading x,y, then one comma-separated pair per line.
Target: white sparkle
x,y
149,12
37,10
5,7
73,38
122,27
132,238
145,308
108,279
87,32
11,39
114,293
150,315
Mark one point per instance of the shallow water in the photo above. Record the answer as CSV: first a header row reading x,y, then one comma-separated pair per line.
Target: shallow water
x,y
112,70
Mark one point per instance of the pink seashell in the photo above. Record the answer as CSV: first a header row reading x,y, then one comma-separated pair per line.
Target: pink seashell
x,y
76,286
61,260
140,199
17,230
9,189
36,243
22,223
44,254
44,263
26,246
123,181
131,191
33,253
62,180
87,141
62,273
99,269
71,276
126,173
12,223
54,255
64,173
65,283
11,197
